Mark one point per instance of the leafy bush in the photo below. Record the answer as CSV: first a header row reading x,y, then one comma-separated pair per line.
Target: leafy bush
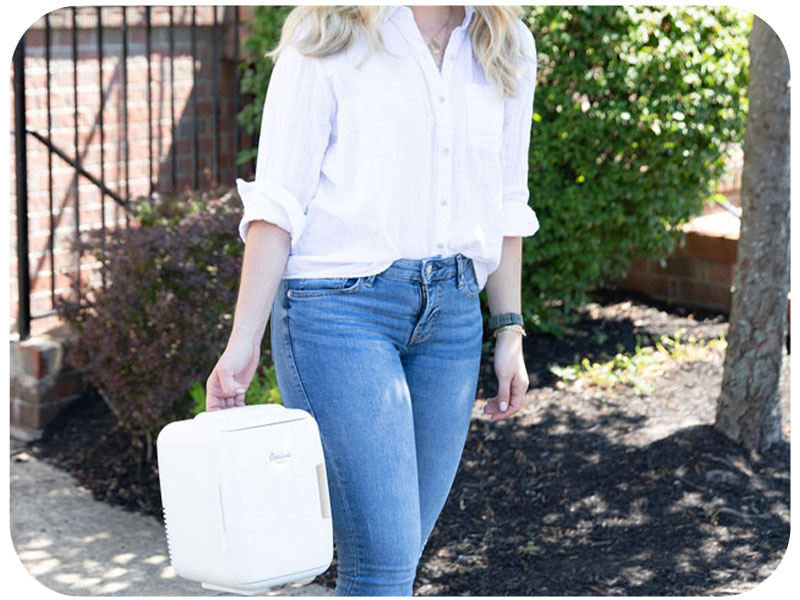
x,y
634,109
263,33
165,314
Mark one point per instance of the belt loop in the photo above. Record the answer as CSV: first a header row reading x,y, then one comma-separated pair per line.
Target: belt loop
x,y
459,268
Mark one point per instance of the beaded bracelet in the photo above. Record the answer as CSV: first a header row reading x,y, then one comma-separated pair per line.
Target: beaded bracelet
x,y
515,327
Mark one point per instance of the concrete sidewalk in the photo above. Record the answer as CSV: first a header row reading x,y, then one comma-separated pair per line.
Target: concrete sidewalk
x,y
78,546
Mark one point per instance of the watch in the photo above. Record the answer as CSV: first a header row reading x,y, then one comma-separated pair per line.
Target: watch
x,y
510,318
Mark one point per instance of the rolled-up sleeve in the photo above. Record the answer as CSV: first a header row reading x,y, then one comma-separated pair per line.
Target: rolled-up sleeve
x,y
295,128
516,217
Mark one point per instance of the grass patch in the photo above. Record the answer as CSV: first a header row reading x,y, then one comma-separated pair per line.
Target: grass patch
x,y
645,362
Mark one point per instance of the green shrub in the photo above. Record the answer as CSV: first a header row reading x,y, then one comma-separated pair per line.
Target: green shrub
x,y
165,314
634,109
262,35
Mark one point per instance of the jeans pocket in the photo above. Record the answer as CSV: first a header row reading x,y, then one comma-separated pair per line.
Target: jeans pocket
x,y
315,287
468,280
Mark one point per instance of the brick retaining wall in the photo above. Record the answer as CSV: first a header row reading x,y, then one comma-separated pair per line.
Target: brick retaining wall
x,y
700,272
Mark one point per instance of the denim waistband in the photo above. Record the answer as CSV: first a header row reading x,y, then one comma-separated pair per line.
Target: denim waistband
x,y
429,269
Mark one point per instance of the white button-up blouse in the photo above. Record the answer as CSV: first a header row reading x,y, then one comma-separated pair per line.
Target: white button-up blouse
x,y
393,160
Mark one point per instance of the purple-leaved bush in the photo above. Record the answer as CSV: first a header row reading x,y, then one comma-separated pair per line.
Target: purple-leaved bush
x,y
166,311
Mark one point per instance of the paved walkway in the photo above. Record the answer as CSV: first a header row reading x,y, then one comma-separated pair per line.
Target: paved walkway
x,y
78,546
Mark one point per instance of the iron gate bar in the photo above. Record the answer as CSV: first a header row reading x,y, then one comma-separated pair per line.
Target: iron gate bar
x,y
23,268
125,106
102,129
77,219
173,166
79,168
50,202
193,36
237,99
149,52
215,72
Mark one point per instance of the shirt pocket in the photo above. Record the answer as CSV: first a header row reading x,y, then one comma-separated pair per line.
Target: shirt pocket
x,y
484,116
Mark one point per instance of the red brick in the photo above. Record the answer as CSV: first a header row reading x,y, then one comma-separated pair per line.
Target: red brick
x,y
33,363
682,265
710,295
34,417
68,385
719,272
24,415
711,248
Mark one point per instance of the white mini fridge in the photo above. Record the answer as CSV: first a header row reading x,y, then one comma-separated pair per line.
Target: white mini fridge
x,y
245,496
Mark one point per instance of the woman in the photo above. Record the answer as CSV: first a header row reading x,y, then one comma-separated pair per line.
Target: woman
x,y
390,188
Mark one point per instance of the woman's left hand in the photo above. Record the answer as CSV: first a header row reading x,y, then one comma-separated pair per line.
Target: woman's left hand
x,y
512,376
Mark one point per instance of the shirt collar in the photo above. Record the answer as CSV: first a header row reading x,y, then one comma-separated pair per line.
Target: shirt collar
x,y
468,11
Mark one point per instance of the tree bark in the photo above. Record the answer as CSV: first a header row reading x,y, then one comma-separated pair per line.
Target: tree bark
x,y
748,408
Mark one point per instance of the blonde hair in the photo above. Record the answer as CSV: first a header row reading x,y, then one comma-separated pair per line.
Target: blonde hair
x,y
333,29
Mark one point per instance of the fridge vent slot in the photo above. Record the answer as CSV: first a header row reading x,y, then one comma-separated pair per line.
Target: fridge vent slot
x,y
166,530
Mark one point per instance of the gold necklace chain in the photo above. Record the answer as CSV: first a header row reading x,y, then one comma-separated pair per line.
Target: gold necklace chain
x,y
432,44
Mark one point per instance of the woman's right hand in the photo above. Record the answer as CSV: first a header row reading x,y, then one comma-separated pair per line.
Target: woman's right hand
x,y
231,376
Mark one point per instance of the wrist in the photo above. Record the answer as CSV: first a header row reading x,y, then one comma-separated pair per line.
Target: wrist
x,y
242,340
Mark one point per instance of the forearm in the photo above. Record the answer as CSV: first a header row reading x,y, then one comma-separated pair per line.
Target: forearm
x,y
503,285
263,265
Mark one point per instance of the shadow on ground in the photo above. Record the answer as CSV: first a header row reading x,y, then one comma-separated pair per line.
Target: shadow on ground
x,y
555,507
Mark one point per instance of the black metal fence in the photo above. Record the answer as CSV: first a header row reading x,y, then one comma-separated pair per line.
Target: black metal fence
x,y
122,196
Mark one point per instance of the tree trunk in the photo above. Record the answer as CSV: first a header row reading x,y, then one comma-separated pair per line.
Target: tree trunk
x,y
748,408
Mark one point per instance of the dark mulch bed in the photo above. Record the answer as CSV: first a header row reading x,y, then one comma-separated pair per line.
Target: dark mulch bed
x,y
583,492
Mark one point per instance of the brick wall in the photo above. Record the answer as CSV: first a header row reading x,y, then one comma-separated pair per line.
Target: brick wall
x,y
69,188
699,272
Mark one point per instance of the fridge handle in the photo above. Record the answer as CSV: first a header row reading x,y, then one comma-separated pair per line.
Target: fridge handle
x,y
322,487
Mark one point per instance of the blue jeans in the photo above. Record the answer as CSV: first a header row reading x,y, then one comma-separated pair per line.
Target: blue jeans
x,y
387,364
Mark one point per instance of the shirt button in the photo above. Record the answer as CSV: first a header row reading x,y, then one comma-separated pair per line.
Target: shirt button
x,y
443,202
441,99
440,245
445,151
